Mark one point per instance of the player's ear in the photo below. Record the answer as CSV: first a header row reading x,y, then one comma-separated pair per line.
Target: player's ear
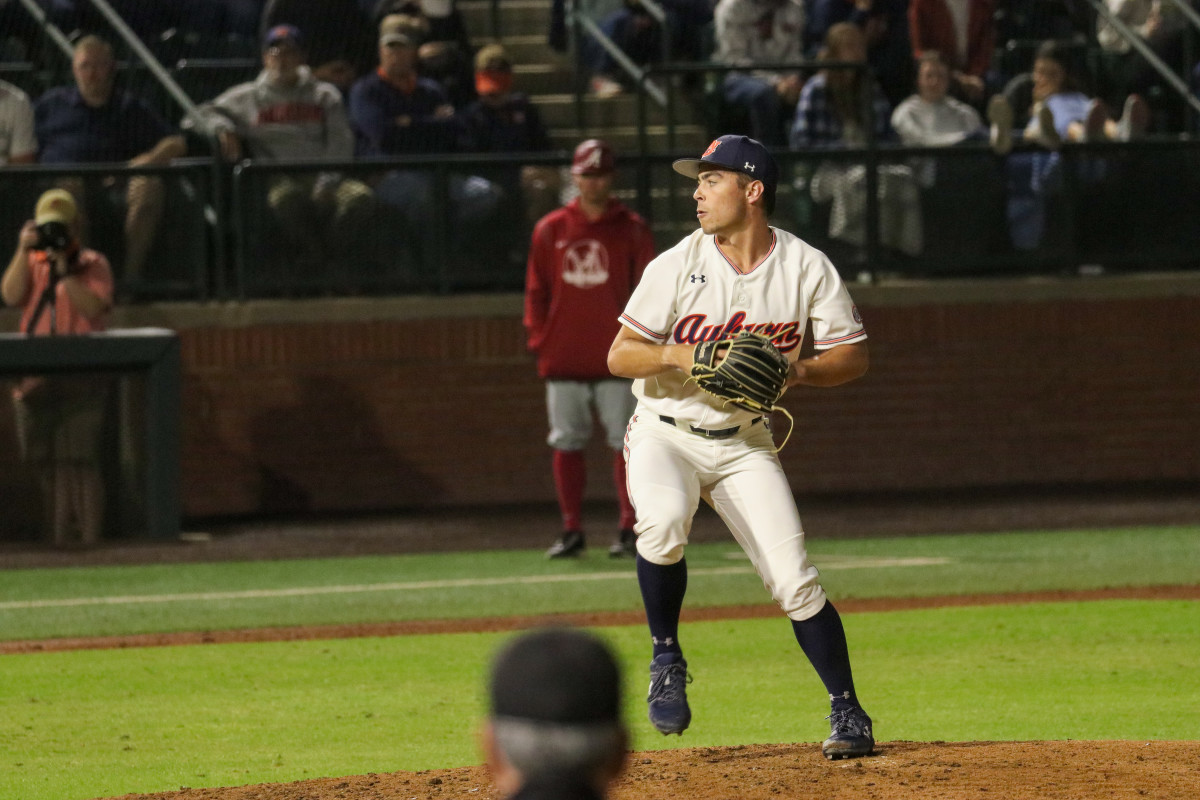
x,y
754,191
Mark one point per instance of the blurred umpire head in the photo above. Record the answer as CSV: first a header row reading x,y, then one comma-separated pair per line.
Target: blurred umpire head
x,y
554,726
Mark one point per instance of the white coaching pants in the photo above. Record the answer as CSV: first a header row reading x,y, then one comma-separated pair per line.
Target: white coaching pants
x,y
670,471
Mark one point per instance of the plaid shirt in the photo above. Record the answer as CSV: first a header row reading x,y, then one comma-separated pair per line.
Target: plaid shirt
x,y
816,124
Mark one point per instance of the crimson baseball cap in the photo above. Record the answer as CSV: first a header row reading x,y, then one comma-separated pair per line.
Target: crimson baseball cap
x,y
556,674
593,157
738,154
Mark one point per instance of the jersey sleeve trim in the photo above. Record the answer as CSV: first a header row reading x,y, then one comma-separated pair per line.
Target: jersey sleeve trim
x,y
825,344
642,329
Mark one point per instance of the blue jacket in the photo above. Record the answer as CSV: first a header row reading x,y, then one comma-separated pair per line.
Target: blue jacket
x,y
387,121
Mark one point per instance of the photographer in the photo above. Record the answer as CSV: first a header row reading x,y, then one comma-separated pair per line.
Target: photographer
x,y
63,289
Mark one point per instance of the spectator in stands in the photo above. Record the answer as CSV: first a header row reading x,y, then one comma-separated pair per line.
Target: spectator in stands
x,y
63,289
964,32
395,111
961,197
832,113
753,32
930,117
639,35
445,51
1060,113
445,21
287,114
1160,26
339,36
17,142
505,121
92,122
554,726
17,146
885,24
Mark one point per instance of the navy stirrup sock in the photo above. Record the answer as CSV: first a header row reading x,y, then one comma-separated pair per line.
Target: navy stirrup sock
x,y
823,640
663,588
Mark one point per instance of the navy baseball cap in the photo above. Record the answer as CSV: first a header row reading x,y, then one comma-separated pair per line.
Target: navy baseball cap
x,y
738,154
558,675
283,33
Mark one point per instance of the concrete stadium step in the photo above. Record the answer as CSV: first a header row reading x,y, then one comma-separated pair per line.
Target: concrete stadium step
x,y
559,110
515,18
626,137
543,78
531,49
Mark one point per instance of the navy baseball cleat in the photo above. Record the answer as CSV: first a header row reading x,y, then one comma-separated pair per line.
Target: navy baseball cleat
x,y
669,711
849,734
569,545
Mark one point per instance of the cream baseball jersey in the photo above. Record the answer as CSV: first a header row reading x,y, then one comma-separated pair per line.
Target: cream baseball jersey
x,y
692,293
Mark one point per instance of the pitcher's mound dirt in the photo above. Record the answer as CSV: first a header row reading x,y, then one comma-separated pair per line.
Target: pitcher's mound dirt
x,y
1067,770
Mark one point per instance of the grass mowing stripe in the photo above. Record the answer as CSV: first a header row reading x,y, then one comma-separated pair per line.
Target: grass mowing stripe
x,y
307,591
463,583
938,565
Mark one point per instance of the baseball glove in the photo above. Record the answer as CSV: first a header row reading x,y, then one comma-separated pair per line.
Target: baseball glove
x,y
752,375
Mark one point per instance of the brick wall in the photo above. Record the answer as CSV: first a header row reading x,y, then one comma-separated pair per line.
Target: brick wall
x,y
349,414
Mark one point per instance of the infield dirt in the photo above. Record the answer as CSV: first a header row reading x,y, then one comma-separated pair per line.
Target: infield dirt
x,y
1067,770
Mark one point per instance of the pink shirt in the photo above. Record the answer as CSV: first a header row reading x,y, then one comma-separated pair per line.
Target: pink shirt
x,y
92,268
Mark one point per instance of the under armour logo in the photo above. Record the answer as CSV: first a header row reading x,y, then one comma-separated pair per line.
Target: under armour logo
x,y
748,166
699,279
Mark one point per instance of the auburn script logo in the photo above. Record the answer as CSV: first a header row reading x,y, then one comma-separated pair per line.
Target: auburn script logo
x,y
695,328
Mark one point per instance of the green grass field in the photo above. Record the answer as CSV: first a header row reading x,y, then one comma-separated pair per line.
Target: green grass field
x,y
85,724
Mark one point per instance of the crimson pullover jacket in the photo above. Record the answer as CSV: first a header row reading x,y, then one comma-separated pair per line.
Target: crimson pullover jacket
x,y
579,276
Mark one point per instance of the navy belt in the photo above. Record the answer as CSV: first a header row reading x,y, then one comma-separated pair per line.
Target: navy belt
x,y
723,433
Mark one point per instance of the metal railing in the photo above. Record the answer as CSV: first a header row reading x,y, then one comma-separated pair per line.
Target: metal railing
x,y
1175,82
1122,206
183,256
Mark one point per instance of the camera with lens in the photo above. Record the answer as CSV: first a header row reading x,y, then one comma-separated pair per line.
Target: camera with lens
x,y
53,236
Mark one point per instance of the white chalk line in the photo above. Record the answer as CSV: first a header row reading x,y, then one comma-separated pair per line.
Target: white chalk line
x,y
462,583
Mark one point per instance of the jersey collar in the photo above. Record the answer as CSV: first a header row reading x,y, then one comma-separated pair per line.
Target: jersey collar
x,y
734,267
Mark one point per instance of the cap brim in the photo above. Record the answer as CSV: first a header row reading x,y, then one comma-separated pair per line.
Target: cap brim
x,y
692,167
688,167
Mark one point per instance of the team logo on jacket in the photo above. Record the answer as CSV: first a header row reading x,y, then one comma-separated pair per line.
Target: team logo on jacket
x,y
585,264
